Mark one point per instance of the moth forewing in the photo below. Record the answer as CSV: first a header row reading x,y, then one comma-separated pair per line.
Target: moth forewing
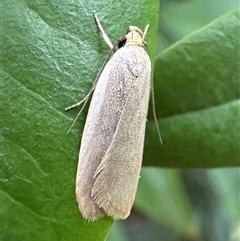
x,y
117,176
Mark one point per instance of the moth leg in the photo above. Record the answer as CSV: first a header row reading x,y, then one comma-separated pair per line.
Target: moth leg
x,y
84,100
106,38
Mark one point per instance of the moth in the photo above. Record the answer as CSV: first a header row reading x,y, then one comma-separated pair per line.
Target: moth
x,y
111,149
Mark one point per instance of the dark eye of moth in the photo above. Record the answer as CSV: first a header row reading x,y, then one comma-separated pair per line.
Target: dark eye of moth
x,y
122,42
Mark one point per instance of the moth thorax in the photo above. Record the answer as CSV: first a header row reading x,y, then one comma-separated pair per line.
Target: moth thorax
x,y
133,36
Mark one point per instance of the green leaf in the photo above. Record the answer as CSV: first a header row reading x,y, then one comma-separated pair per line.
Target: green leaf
x,y
51,53
197,99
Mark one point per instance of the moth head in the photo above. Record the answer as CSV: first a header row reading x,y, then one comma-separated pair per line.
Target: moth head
x,y
133,36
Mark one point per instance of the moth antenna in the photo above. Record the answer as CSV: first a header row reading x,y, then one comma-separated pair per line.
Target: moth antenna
x,y
154,110
85,102
145,32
